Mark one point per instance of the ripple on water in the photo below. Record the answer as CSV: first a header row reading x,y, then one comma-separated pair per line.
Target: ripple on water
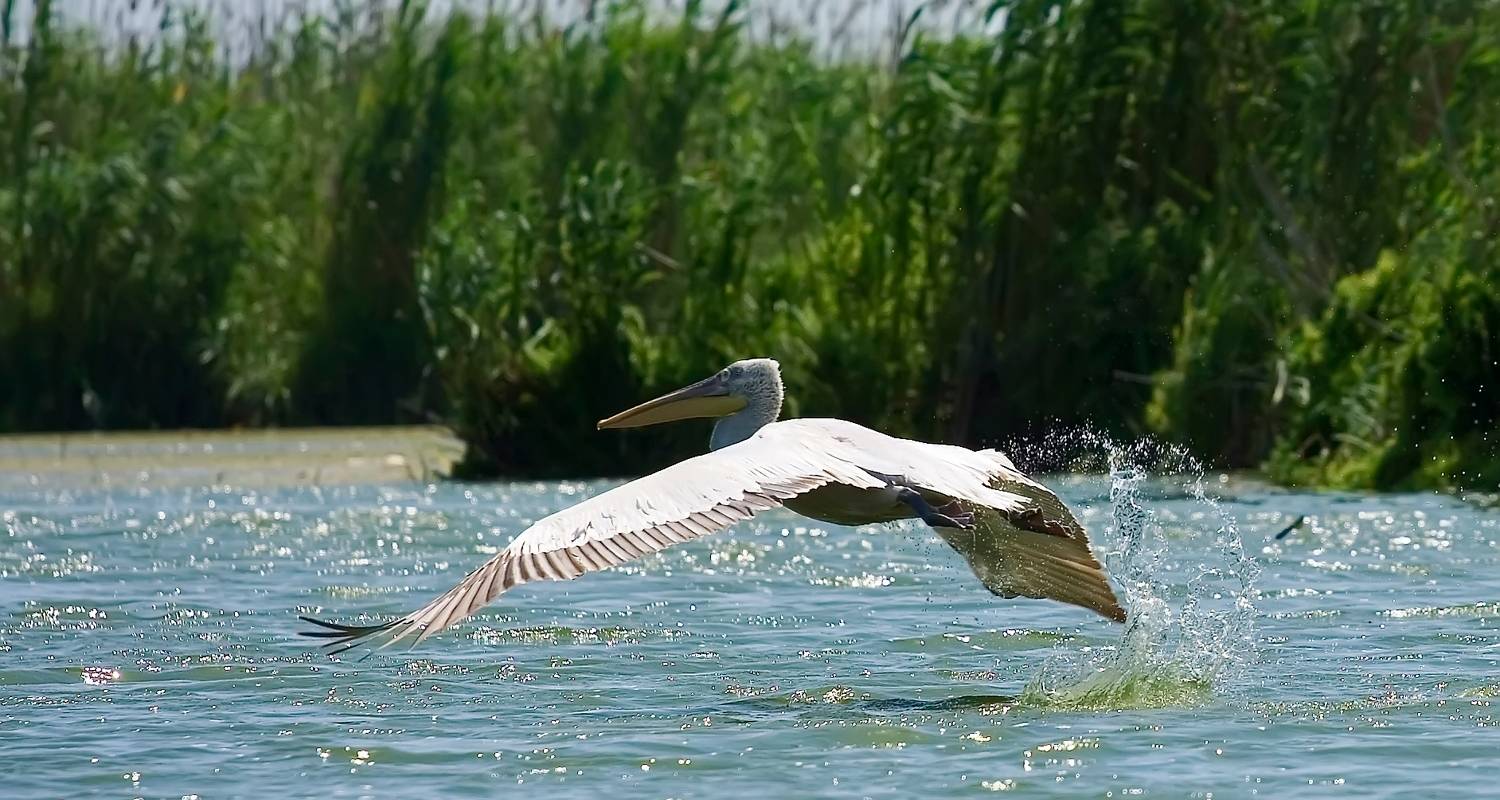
x,y
1481,609
149,646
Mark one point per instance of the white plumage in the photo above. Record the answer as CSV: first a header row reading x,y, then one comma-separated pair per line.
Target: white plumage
x,y
1019,539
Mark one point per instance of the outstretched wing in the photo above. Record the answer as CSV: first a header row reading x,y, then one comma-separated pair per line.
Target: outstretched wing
x,y
1026,543
687,500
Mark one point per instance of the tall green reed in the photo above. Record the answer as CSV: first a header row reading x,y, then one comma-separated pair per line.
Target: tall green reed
x,y
1179,217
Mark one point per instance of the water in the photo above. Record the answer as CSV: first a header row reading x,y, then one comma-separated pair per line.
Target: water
x,y
147,648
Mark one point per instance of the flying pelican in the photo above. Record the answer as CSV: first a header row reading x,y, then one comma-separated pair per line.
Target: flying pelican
x,y
1018,537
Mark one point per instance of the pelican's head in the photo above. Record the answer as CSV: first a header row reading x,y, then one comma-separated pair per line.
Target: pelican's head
x,y
754,381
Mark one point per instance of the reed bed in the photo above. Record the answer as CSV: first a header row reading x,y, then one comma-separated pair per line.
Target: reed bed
x,y
1264,229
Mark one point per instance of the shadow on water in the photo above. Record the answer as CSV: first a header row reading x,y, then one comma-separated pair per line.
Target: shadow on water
x,y
748,709
976,702
1110,694
1112,688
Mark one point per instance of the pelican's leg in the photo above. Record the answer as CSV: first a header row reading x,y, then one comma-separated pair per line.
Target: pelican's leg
x,y
957,510
930,515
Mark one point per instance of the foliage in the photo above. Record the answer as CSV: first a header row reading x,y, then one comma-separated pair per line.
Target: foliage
x,y
1404,365
1264,228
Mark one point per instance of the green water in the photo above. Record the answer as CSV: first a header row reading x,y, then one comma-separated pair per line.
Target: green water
x,y
147,648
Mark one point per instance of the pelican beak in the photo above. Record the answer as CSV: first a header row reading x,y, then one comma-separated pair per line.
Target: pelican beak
x,y
706,398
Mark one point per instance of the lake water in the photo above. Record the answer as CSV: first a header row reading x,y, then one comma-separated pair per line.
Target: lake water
x,y
148,648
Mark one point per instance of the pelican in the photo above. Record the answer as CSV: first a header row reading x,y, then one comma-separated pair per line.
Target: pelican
x,y
1018,537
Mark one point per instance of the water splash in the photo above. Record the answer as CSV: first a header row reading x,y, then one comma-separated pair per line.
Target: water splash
x,y
1191,625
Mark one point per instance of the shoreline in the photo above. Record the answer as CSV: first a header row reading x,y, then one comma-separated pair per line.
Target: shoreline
x,y
247,457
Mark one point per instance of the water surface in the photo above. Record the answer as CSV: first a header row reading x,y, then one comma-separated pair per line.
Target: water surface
x,y
147,648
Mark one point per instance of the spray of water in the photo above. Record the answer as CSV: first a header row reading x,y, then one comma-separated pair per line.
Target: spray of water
x,y
1184,575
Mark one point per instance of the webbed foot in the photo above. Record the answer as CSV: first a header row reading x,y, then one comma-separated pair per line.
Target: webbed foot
x,y
952,515
957,512
960,519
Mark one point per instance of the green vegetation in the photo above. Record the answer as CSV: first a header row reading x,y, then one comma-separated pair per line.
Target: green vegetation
x,y
1267,229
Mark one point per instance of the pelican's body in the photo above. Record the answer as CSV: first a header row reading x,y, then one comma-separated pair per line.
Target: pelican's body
x,y
846,505
1016,535
849,504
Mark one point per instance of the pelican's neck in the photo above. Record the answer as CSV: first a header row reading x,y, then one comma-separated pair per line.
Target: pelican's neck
x,y
762,407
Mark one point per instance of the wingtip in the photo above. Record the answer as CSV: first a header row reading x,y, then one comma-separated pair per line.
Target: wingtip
x,y
343,637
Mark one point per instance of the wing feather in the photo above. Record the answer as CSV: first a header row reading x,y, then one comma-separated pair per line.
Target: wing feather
x,y
1013,560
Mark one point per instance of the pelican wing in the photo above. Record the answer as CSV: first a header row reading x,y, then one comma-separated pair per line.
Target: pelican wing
x,y
1026,543
1042,552
687,500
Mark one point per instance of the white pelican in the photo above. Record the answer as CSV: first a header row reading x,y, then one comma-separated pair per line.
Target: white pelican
x,y
1017,535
